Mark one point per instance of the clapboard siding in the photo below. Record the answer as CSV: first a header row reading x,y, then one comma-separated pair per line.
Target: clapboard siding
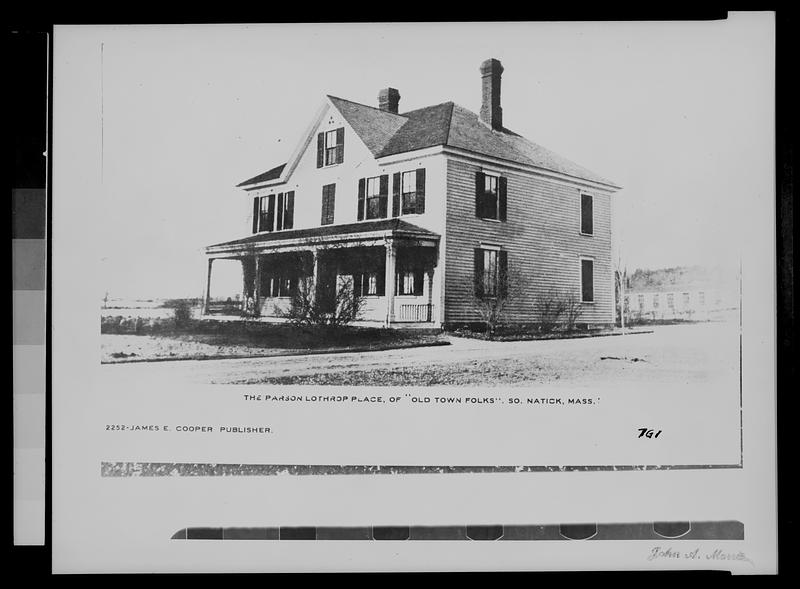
x,y
542,237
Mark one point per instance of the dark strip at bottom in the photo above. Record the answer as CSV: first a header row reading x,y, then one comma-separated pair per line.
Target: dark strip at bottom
x,y
706,530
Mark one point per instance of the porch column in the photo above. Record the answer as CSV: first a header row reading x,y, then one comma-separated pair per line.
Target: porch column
x,y
257,287
314,273
207,294
244,285
429,288
391,256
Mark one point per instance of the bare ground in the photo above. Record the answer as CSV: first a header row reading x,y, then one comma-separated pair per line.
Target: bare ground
x,y
681,353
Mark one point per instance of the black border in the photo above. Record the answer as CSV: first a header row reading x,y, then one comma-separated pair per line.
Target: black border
x,y
34,562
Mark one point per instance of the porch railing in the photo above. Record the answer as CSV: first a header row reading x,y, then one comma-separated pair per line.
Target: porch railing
x,y
415,313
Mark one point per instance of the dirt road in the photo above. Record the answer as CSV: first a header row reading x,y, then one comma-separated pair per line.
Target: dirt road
x,y
678,353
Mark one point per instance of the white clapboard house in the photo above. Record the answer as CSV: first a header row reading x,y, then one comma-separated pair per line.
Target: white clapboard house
x,y
423,213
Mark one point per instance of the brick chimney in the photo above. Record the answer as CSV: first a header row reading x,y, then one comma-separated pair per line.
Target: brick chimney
x,y
389,100
491,112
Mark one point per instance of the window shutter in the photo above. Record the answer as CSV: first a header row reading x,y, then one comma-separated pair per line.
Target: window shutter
x,y
420,190
270,213
384,194
280,212
502,274
324,209
288,217
480,185
478,272
587,281
340,145
502,184
255,214
320,149
396,190
361,192
587,216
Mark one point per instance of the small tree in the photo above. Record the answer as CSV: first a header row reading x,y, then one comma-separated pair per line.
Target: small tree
x,y
551,309
308,304
572,311
182,313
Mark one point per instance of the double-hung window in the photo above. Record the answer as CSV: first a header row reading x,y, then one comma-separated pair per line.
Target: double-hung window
x,y
490,196
285,215
587,280
587,214
263,213
328,203
330,147
410,281
369,283
373,197
491,272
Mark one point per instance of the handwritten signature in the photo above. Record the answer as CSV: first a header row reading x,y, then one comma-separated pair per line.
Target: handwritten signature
x,y
659,553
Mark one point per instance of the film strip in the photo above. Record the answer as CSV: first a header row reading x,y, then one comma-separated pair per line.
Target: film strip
x,y
686,530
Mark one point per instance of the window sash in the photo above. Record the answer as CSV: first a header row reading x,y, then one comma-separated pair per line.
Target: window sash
x,y
374,199
490,273
490,198
587,214
328,204
587,281
372,283
373,187
331,148
409,193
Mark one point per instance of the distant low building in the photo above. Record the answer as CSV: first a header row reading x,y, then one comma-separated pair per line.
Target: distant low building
x,y
683,303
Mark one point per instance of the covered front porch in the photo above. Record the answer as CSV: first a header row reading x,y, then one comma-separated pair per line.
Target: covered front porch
x,y
386,270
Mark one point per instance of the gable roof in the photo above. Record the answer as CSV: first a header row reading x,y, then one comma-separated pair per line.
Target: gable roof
x,y
268,175
447,124
375,127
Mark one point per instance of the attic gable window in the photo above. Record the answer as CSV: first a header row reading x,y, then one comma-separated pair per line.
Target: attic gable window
x,y
330,147
490,196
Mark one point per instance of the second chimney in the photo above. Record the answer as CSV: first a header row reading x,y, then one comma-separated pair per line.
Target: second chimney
x,y
389,100
491,112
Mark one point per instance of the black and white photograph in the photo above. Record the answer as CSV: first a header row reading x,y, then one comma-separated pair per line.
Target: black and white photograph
x,y
366,286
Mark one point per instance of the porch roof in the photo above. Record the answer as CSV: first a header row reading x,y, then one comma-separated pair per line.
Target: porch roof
x,y
329,234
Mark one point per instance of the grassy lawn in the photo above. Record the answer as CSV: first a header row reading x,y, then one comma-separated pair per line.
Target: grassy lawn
x,y
235,339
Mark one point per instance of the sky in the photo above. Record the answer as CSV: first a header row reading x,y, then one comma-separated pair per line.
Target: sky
x,y
679,114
